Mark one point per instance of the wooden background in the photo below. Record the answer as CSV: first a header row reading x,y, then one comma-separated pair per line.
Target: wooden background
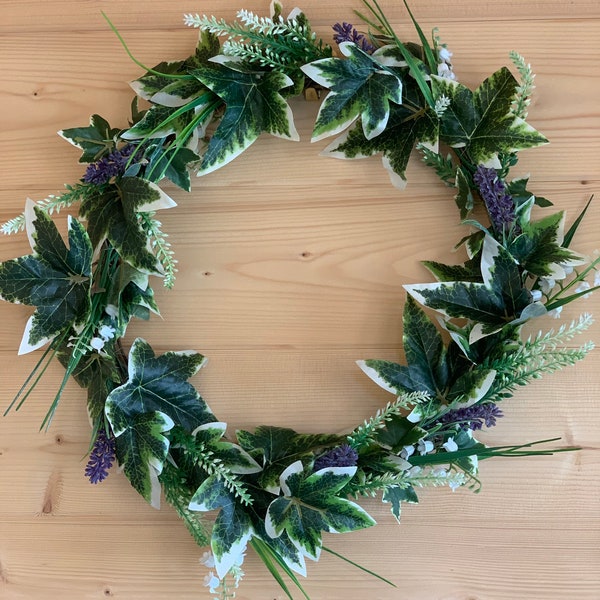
x,y
291,268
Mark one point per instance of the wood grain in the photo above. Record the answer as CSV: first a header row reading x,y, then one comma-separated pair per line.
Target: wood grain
x,y
291,268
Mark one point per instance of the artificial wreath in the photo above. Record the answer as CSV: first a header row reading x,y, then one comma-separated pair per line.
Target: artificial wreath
x,y
273,489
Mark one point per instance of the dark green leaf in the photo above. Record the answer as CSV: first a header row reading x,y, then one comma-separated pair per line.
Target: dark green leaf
x,y
142,450
464,197
396,495
359,86
232,529
539,248
310,505
482,121
95,140
55,279
404,129
253,105
112,214
159,383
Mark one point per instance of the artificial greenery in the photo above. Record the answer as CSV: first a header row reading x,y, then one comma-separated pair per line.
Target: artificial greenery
x,y
273,489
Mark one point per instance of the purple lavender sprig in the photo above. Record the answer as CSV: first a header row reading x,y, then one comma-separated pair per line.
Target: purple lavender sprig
x,y
342,456
107,167
499,203
101,459
345,32
473,417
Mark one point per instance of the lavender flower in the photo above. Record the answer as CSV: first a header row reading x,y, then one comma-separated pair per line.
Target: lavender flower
x,y
499,203
342,456
101,458
473,417
346,32
107,167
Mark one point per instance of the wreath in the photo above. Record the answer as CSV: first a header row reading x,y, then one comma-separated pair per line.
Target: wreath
x,y
273,489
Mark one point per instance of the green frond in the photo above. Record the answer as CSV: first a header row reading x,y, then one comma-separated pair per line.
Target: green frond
x,y
161,247
363,434
525,88
52,204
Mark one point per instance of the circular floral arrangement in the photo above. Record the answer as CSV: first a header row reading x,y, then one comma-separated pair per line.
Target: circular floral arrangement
x,y
273,489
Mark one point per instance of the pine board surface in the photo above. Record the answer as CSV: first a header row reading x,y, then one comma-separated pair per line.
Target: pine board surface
x,y
291,268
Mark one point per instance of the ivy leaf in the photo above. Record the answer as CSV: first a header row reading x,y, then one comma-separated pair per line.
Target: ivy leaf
x,y
112,215
149,84
517,188
159,383
97,139
278,446
253,105
399,432
395,495
403,131
499,300
481,121
172,164
310,505
55,279
359,86
232,529
234,458
464,197
538,249
141,450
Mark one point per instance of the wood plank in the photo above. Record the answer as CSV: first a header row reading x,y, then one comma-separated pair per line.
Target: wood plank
x,y
287,276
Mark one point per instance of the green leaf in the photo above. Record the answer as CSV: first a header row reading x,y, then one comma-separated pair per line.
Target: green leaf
x,y
471,387
464,197
232,529
172,164
573,229
359,86
55,279
112,215
517,189
151,83
279,446
424,349
469,271
539,248
481,121
253,105
399,432
234,458
404,129
500,299
141,450
159,383
310,505
97,139
397,494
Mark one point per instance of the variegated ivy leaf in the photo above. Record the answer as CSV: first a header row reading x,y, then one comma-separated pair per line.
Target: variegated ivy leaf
x,y
426,370
500,299
471,387
112,214
276,447
403,131
55,279
97,139
464,196
232,529
142,449
159,383
253,106
359,86
396,495
283,546
167,90
311,504
234,458
481,121
538,249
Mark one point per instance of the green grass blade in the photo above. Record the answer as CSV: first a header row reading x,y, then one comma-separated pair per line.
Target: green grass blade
x,y
571,233
263,553
135,60
359,566
431,60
